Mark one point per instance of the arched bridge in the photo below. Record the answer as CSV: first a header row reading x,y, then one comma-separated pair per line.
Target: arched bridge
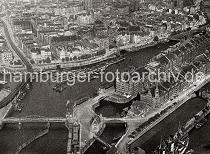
x,y
187,33
34,119
107,145
14,93
29,68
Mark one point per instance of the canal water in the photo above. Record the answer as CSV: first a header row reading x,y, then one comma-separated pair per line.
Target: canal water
x,y
43,101
111,109
53,143
169,125
199,138
111,135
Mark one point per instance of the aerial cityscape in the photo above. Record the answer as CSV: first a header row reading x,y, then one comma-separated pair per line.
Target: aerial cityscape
x,y
105,76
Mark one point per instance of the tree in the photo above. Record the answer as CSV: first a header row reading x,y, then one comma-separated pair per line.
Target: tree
x,y
138,97
32,61
18,62
48,60
63,60
156,38
67,58
75,58
11,63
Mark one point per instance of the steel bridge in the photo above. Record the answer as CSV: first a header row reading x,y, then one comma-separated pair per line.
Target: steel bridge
x,y
34,119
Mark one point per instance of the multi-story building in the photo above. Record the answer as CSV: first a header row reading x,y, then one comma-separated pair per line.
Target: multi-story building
x,y
127,88
74,7
103,42
133,86
45,52
88,4
92,4
6,57
85,19
97,3
180,59
112,33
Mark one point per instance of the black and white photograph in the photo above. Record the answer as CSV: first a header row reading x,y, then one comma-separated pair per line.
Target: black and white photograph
x,y
104,76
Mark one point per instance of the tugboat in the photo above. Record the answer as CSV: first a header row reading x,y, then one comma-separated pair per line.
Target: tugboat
x,y
18,107
201,123
116,138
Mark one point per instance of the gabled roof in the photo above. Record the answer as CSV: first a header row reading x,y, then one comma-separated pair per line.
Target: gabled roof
x,y
162,90
170,56
183,49
188,46
134,28
66,38
208,35
188,68
36,50
201,59
162,60
141,71
177,52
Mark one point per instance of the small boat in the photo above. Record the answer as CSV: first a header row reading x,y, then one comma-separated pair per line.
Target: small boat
x,y
21,96
190,151
60,87
201,123
116,138
19,107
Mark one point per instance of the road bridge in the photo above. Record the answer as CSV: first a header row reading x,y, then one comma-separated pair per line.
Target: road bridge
x,y
187,33
21,85
28,142
33,119
14,93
